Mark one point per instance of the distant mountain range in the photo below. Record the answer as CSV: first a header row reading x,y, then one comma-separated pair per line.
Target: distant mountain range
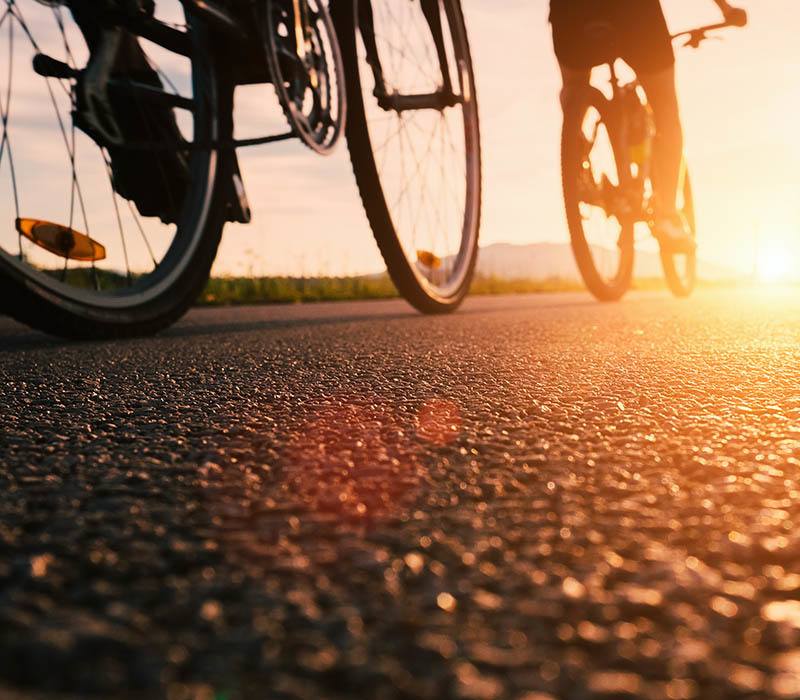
x,y
555,261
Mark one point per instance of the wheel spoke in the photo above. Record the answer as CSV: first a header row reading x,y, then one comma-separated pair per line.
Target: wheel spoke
x,y
117,216
5,115
423,158
67,205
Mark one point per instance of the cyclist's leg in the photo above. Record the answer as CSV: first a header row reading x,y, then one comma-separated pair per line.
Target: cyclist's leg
x,y
646,45
574,84
576,51
668,147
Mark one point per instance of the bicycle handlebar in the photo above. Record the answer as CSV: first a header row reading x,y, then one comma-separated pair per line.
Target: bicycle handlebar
x,y
699,35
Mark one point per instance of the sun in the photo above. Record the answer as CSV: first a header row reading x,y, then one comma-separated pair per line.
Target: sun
x,y
775,264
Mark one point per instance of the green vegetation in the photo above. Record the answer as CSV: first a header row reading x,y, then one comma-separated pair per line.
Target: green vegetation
x,y
273,290
500,285
230,291
222,291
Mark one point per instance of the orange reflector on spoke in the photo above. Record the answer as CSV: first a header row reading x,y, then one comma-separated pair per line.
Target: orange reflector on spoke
x,y
61,240
428,259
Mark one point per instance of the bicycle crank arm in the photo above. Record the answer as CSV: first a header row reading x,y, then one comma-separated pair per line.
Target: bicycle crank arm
x,y
438,101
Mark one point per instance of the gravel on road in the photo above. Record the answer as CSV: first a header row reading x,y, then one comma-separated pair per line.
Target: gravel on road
x,y
536,498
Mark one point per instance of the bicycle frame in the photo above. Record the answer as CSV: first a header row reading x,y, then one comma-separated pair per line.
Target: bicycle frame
x,y
632,199
242,58
234,27
439,100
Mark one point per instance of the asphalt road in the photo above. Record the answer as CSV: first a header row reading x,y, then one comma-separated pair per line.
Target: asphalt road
x,y
539,497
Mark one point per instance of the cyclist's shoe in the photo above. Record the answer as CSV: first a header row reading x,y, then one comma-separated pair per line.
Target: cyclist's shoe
x,y
673,234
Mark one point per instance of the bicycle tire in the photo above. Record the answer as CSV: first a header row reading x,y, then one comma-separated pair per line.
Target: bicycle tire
x,y
403,270
682,282
33,298
603,289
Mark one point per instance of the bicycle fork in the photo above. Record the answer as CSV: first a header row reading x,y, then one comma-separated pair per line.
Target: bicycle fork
x,y
439,100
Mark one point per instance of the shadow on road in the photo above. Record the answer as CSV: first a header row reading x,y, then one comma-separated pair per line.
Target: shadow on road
x,y
226,320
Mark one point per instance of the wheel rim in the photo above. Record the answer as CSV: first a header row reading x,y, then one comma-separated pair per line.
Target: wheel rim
x,y
601,205
81,189
427,160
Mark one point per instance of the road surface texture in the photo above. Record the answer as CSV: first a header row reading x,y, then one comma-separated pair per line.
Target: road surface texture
x,y
537,498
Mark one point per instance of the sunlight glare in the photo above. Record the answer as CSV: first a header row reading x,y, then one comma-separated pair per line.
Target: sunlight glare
x,y
775,263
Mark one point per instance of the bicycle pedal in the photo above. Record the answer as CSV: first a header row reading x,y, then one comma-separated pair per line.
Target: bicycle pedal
x,y
428,259
61,240
49,67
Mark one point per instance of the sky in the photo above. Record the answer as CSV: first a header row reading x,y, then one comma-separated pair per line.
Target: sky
x,y
739,96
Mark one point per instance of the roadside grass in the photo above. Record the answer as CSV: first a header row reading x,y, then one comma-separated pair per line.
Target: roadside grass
x,y
230,291
221,291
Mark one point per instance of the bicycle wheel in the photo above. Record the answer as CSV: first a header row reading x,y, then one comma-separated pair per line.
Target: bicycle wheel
x,y
103,238
598,213
414,140
680,269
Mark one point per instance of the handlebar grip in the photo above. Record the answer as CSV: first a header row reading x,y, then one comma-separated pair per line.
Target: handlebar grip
x,y
697,36
736,17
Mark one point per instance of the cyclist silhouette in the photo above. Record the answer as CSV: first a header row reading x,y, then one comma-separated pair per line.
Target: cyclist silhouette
x,y
587,33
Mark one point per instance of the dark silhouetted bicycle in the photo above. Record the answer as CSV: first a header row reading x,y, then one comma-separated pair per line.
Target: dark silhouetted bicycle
x,y
118,166
607,161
